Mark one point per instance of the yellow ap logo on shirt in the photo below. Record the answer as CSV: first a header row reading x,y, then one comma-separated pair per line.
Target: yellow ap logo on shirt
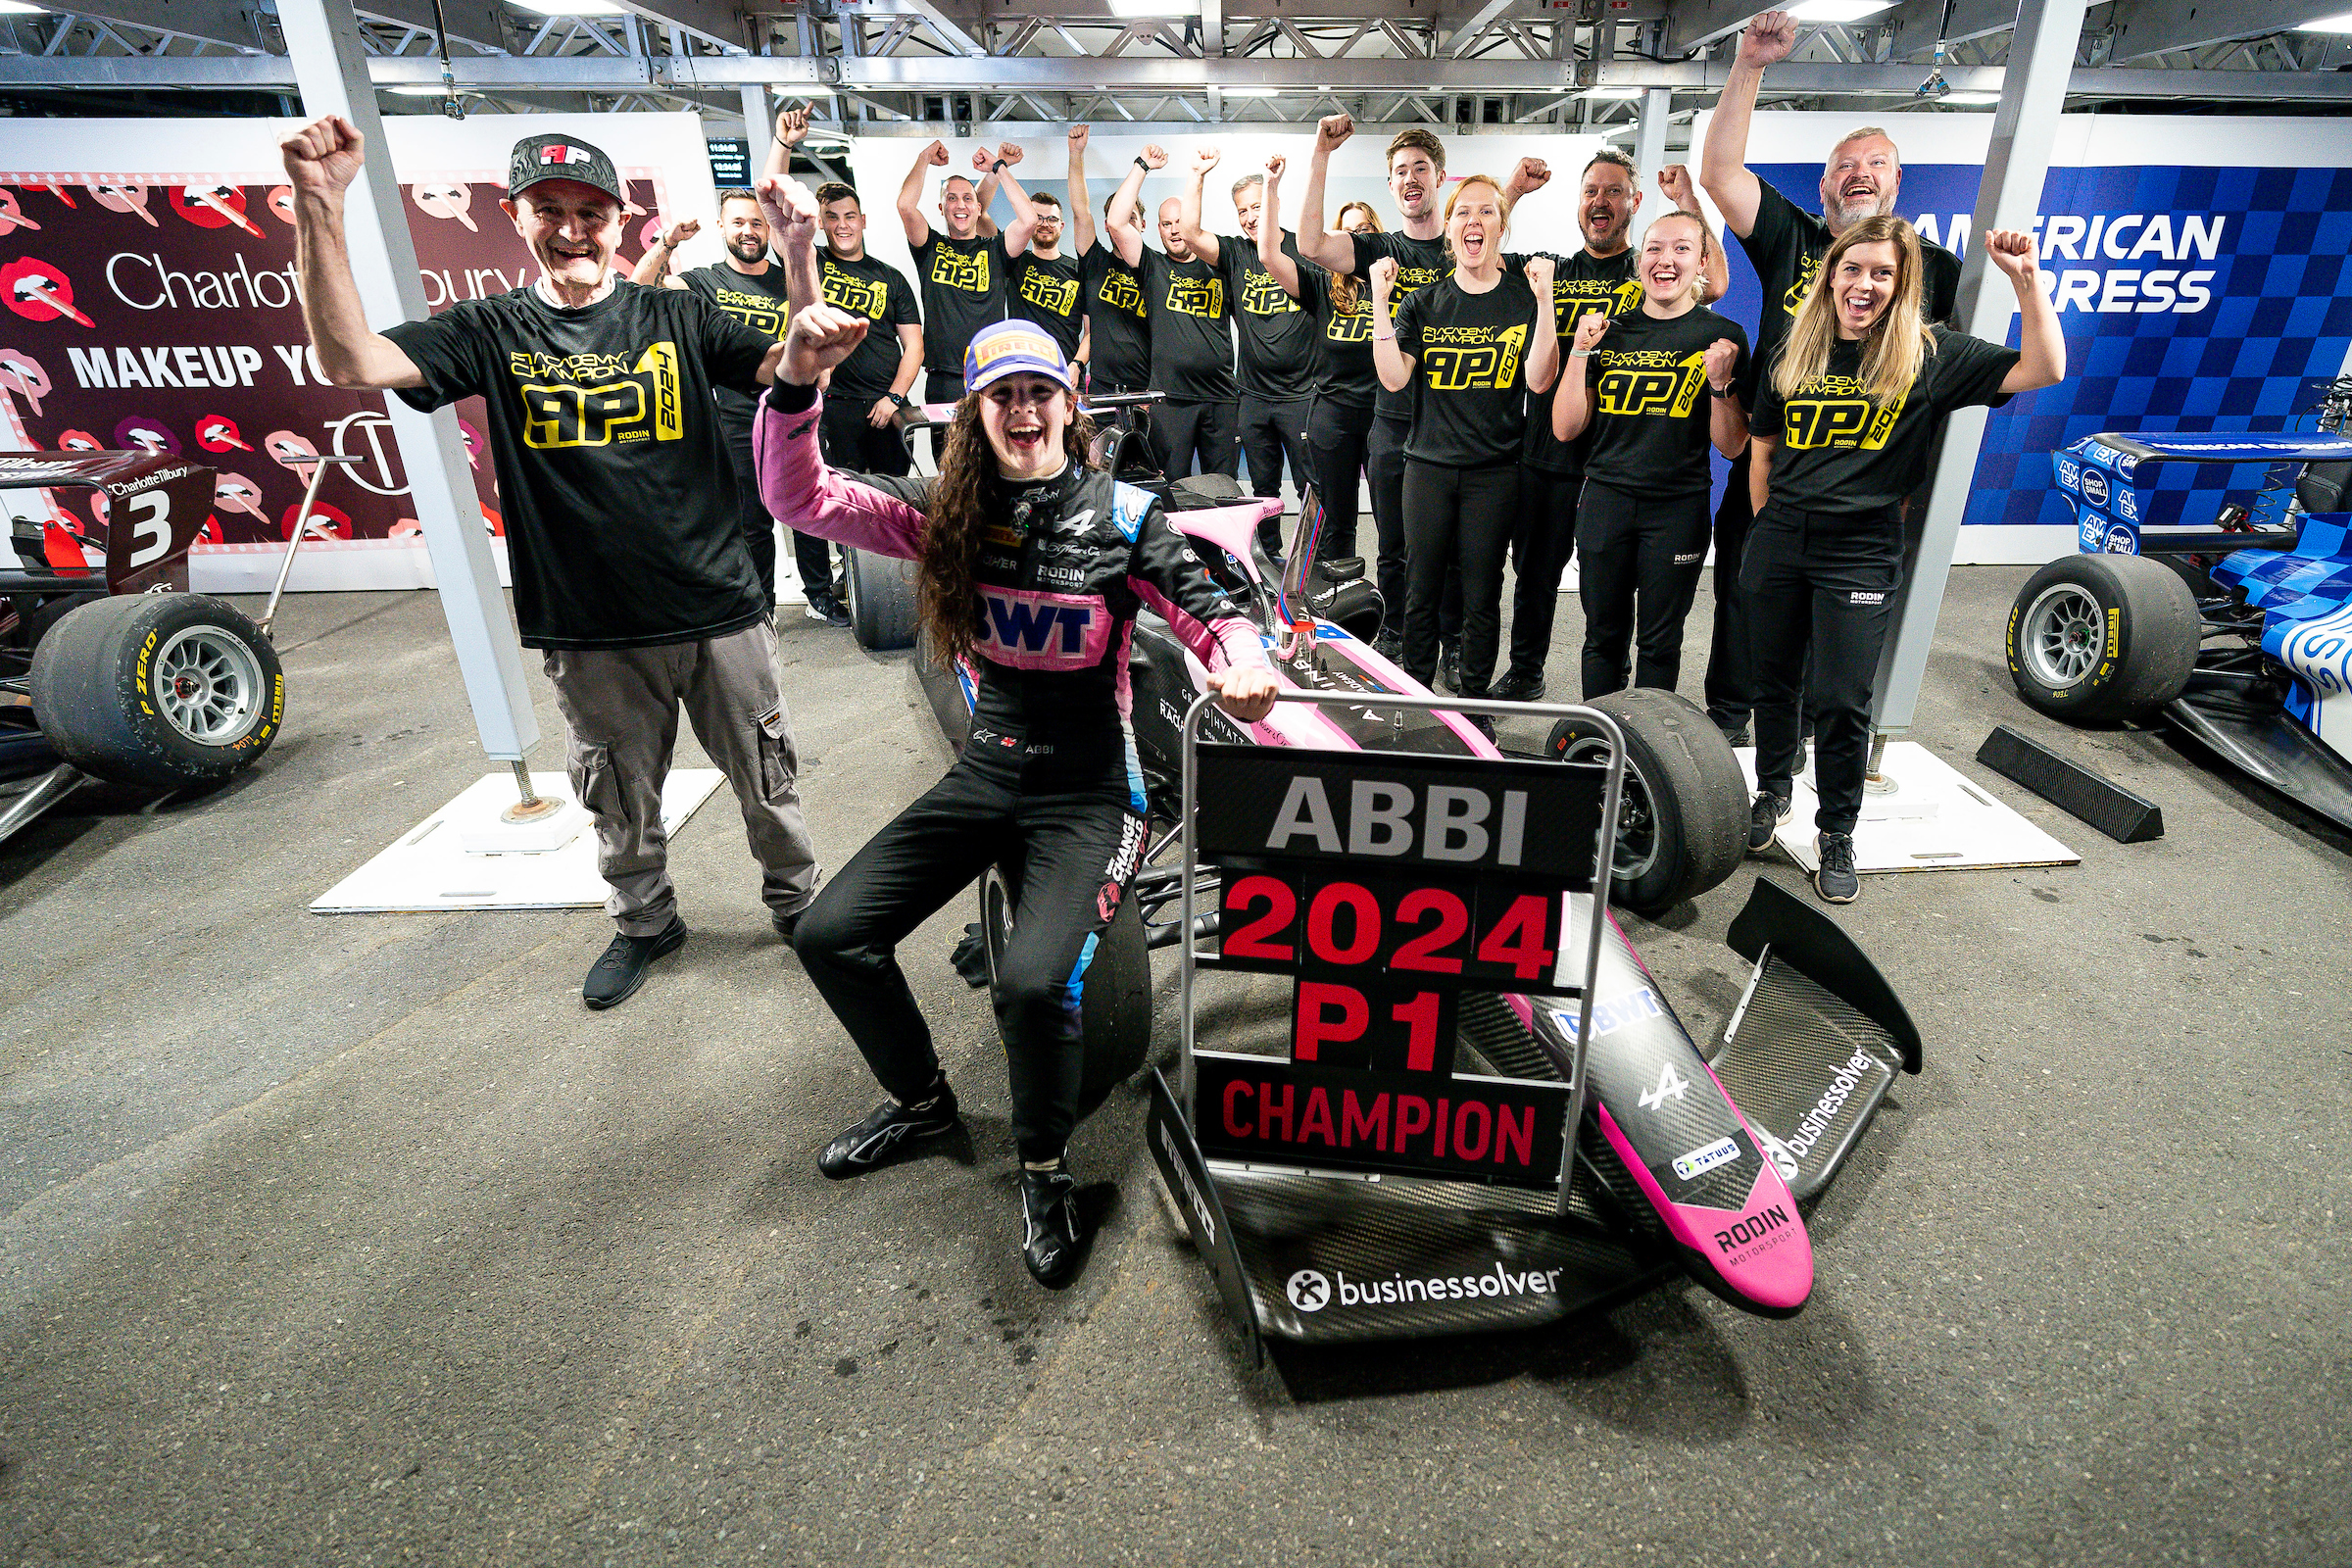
x,y
847,291
1834,412
956,271
1262,296
641,404
1120,293
1649,383
1049,293
1469,358
1197,296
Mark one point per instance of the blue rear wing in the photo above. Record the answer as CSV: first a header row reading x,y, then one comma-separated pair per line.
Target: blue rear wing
x,y
2108,480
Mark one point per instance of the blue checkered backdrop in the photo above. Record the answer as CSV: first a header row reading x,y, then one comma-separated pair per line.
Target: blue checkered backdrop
x,y
2192,298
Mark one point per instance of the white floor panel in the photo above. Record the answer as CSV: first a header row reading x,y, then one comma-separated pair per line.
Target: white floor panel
x,y
447,862
1932,819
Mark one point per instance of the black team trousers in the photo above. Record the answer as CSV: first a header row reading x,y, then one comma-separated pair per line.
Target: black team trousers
x,y
1456,520
1541,543
1640,562
1384,465
1336,458
1822,582
1183,431
1069,843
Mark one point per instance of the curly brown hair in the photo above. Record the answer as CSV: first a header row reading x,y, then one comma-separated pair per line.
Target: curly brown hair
x,y
957,517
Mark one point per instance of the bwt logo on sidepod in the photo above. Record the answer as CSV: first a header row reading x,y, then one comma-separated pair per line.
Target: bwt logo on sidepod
x,y
2094,487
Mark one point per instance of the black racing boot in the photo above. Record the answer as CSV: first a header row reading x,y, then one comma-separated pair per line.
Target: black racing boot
x,y
1764,818
1836,881
1450,667
615,978
1054,1235
893,1133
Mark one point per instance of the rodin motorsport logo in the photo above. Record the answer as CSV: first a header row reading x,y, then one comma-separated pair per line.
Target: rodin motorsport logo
x,y
1310,1290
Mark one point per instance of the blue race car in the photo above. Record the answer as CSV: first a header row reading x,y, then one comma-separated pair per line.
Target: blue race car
x,y
2239,632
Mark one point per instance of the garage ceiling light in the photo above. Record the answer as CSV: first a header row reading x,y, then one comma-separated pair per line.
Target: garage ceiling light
x,y
1253,92
573,8
17,8
1838,10
1969,98
1138,10
2341,23
1615,94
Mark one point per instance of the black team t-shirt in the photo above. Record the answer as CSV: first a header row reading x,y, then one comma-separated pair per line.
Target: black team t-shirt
x,y
1344,368
1652,409
1786,247
1580,283
1419,264
1278,338
1838,450
1046,290
1192,329
619,500
758,303
1469,386
966,284
879,292
1120,352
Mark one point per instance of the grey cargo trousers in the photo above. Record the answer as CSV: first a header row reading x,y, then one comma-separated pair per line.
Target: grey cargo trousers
x,y
620,709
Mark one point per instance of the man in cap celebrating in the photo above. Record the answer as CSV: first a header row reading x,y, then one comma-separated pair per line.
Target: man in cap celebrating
x,y
630,570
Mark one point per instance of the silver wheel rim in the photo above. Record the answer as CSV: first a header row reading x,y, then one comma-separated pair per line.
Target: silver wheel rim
x,y
1637,821
850,571
2063,636
208,685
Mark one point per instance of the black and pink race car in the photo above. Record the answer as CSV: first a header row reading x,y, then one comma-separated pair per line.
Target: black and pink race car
x,y
109,668
1332,1207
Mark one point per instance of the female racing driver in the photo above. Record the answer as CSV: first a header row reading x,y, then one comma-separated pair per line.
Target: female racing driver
x,y
1036,565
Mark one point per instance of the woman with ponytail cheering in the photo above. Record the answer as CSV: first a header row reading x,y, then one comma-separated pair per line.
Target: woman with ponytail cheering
x,y
1470,347
1844,426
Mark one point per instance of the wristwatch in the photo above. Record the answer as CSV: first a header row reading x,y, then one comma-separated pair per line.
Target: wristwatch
x,y
997,168
900,398
1715,391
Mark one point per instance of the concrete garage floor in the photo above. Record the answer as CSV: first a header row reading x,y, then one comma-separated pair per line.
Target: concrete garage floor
x,y
356,1240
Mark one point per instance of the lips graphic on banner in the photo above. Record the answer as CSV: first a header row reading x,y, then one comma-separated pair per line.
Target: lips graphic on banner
x,y
291,452
213,206
326,521
21,373
140,433
125,199
443,201
54,189
233,492
38,292
217,435
12,216
79,441
281,200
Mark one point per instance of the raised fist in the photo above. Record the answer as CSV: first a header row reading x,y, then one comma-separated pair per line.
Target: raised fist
x,y
1674,183
1009,152
680,233
1539,278
937,153
821,337
1205,159
1722,359
1077,139
2012,251
1156,156
1768,38
1383,276
792,126
1330,131
1532,175
981,158
1274,167
1588,330
790,209
323,157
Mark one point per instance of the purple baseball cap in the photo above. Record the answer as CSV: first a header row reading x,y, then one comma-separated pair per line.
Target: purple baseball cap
x,y
1010,348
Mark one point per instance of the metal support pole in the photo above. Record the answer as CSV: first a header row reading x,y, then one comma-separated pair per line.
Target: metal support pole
x,y
322,40
758,125
2025,127
302,525
1649,151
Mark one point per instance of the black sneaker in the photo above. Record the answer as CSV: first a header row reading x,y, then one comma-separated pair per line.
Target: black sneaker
x,y
1736,738
615,978
891,1134
1054,1236
1764,818
1517,686
1482,723
1450,667
827,609
1390,646
1836,881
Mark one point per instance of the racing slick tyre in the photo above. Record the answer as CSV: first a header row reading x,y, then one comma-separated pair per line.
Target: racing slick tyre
x,y
1682,827
1117,1005
35,617
2097,638
164,691
882,607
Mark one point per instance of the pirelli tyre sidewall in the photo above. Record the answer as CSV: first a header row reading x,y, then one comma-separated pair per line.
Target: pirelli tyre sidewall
x,y
164,691
883,612
2098,639
1116,1004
